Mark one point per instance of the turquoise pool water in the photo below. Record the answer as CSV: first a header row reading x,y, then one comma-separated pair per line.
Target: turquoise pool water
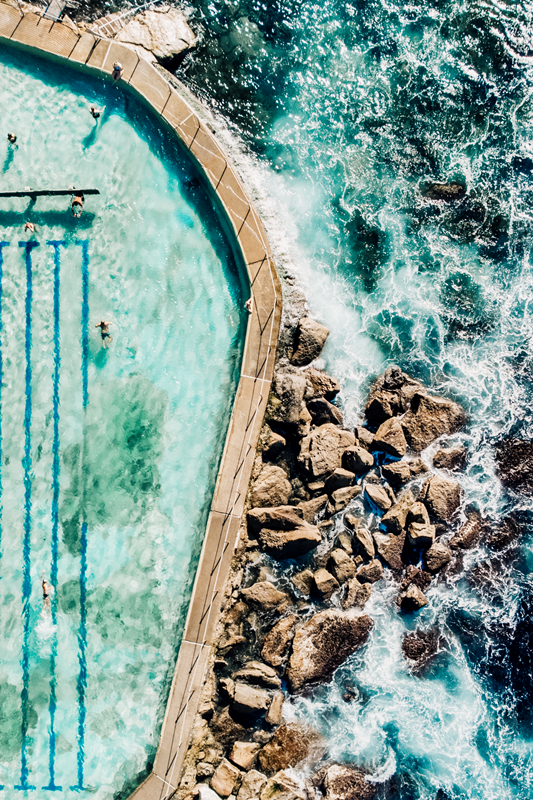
x,y
108,457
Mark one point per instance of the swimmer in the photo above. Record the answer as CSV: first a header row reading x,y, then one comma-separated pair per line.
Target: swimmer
x,y
77,205
47,591
11,138
249,305
95,113
117,71
104,330
29,226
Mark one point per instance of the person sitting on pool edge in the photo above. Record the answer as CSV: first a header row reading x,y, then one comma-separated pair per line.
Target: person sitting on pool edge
x,y
104,330
77,205
117,71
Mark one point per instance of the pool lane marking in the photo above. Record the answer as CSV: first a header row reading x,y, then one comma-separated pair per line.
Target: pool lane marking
x,y
2,245
82,630
56,244
26,546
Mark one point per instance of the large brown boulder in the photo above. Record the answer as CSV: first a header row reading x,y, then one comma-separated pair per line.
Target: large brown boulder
x,y
420,648
282,787
442,497
395,519
291,744
390,438
281,518
397,473
286,400
249,700
514,458
264,595
344,782
251,786
321,452
341,565
391,548
469,533
451,458
429,418
309,339
277,641
271,488
437,557
323,385
357,460
378,496
289,544
323,411
311,508
323,643
356,594
390,395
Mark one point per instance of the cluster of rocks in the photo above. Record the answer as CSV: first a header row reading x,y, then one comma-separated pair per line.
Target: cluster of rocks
x,y
332,510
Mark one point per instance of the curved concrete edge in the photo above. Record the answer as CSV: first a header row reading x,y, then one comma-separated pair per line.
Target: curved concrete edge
x,y
65,44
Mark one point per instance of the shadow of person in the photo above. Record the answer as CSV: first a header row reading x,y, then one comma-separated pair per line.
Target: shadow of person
x,y
9,158
90,139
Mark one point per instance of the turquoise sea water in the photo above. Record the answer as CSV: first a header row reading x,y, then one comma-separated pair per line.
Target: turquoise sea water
x,y
348,108
108,457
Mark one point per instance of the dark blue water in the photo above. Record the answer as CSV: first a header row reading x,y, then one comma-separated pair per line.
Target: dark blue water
x,y
347,110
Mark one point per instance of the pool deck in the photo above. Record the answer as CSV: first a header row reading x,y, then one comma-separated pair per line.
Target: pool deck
x,y
83,50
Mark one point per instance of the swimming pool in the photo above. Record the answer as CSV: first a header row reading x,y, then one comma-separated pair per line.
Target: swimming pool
x,y
108,457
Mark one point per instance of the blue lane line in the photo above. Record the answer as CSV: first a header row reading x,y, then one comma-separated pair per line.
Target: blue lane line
x,y
26,547
2,245
82,631
52,786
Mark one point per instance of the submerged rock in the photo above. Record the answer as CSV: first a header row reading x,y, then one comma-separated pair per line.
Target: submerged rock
x,y
420,647
502,534
514,458
323,643
454,190
309,339
430,418
290,745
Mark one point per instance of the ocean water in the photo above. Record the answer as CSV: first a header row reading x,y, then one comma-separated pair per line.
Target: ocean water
x,y
346,110
108,456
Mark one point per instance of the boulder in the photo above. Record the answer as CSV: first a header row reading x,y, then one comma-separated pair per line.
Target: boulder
x,y
365,543
390,395
282,518
273,445
264,595
203,792
321,451
225,778
454,190
397,473
420,648
286,399
291,744
249,700
391,548
277,641
251,786
225,729
205,770
271,488
412,599
345,782
357,460
275,712
323,643
370,573
311,508
256,672
437,557
417,576
451,458
322,411
323,385
325,583
442,497
341,565
304,581
421,535
390,438
356,594
514,459
344,541
417,467
339,479
365,438
501,534
289,544
417,513
282,787
243,754
395,519
469,533
341,498
378,496
163,32
309,339
430,418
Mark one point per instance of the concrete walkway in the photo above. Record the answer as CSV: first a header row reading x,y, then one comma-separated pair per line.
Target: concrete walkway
x,y
85,51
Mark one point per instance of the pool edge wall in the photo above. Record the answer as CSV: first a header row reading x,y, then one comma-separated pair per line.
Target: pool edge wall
x,y
85,51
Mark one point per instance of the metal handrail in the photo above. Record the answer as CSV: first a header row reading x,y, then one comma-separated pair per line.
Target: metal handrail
x,y
120,18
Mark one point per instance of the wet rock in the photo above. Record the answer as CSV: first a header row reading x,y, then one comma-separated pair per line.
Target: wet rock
x,y
203,792
316,487
502,534
420,647
390,438
204,770
390,395
256,672
277,641
339,479
236,613
341,498
286,400
322,411
418,513
469,533
395,519
227,687
304,581
282,787
365,438
451,458
309,339
397,473
165,33
437,557
357,460
225,778
356,594
323,643
454,190
282,518
421,535
312,508
514,459
225,729
344,782
412,599
325,583
344,541
321,451
291,744
243,754
289,544
252,785
391,548
429,418
378,496
341,565
323,385
370,573
264,595
417,576
365,543
249,700
417,467
275,712
272,488
274,445
442,497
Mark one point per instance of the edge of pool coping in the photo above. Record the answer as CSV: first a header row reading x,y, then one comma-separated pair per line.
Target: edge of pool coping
x,y
87,52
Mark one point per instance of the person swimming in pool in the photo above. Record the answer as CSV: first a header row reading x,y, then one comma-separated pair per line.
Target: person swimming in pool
x,y
95,113
77,205
11,138
47,592
104,331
